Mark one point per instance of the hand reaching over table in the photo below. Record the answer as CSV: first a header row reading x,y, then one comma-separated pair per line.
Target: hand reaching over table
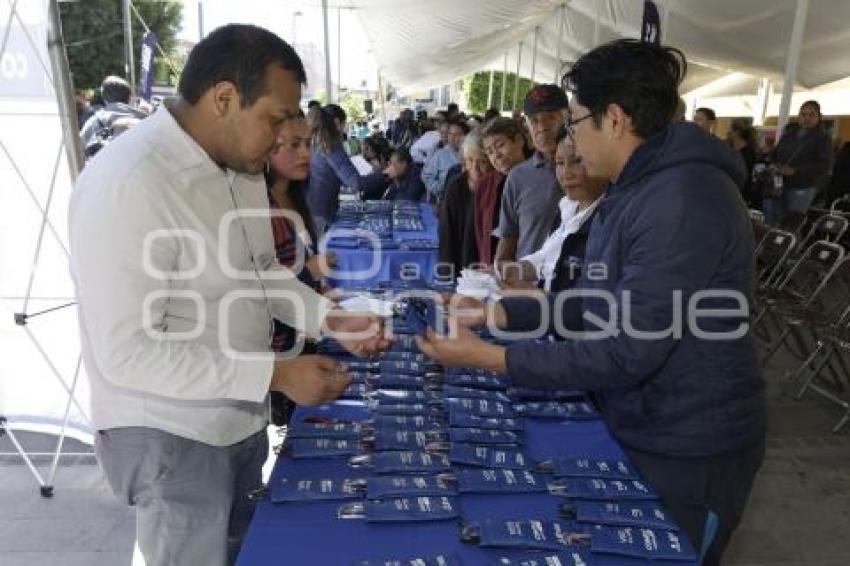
x,y
361,333
462,348
310,380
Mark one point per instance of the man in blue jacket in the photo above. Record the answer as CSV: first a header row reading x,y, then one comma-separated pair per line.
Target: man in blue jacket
x,y
658,326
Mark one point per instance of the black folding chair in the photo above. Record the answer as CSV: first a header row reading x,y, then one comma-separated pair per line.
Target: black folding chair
x,y
799,310
841,205
828,227
771,253
798,288
834,343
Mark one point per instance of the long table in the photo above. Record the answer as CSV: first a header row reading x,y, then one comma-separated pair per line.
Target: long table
x,y
311,534
390,263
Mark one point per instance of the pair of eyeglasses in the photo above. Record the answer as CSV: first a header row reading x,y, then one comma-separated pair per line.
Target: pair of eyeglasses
x,y
570,124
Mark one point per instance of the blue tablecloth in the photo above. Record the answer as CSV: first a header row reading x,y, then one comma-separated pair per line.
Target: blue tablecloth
x,y
302,534
390,264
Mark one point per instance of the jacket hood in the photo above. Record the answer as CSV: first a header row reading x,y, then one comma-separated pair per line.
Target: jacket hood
x,y
680,144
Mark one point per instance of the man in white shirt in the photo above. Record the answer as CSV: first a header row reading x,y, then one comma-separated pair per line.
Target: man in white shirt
x,y
177,286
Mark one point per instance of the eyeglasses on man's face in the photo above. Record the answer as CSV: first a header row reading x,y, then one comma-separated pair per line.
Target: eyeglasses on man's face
x,y
570,124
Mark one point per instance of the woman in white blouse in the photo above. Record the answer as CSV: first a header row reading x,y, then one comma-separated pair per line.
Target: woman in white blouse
x,y
557,264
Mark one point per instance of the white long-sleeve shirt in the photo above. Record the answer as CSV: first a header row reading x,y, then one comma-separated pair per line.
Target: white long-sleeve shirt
x,y
545,259
140,282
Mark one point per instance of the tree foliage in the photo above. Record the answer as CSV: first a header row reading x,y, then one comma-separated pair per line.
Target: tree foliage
x,y
478,86
352,103
94,36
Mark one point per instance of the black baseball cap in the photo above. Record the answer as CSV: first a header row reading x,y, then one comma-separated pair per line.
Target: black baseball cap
x,y
544,98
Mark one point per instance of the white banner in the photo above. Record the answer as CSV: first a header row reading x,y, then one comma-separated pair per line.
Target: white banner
x,y
37,361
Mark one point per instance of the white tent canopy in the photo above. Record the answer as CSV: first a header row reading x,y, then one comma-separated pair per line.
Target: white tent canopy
x,y
424,43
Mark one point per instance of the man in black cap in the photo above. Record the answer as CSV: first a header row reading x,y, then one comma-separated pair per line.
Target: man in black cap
x,y
530,200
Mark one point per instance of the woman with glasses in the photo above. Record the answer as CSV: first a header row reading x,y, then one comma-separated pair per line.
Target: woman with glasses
x,y
556,266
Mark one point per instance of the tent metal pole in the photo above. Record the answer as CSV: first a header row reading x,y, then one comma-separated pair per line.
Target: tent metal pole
x,y
490,91
596,22
328,86
762,100
504,82
59,443
162,53
338,53
382,97
128,46
791,63
558,53
200,20
665,21
534,56
64,91
516,78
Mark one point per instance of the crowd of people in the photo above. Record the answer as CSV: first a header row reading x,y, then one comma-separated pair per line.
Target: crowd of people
x,y
788,174
600,171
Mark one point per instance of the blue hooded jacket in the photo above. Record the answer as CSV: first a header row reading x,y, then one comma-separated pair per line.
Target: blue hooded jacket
x,y
672,226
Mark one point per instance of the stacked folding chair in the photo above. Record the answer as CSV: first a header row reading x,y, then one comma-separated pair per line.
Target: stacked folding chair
x,y
840,206
809,297
774,247
794,292
824,370
828,227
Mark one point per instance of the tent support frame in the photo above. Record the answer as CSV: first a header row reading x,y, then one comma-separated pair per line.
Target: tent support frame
x,y
60,77
794,48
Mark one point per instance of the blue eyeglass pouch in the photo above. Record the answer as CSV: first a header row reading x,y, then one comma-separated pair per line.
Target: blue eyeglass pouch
x,y
324,430
402,510
409,462
648,544
565,558
493,382
382,487
402,397
407,409
301,448
407,422
404,440
592,468
436,560
488,457
459,419
484,437
625,513
416,357
499,481
290,490
458,392
599,489
400,381
401,366
531,534
480,407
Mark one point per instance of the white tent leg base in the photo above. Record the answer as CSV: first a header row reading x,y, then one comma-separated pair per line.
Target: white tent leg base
x,y
44,489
